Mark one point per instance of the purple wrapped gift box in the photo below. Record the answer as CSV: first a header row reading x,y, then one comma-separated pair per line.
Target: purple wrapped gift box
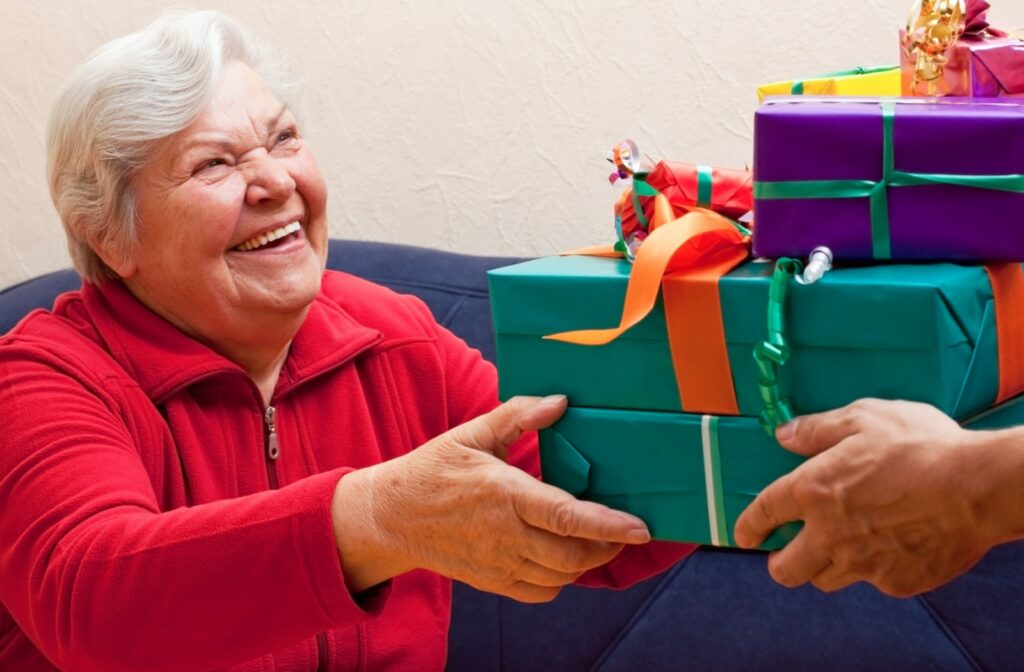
x,y
953,185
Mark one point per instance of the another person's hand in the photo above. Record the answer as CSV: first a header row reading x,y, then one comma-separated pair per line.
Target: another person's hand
x,y
895,494
454,507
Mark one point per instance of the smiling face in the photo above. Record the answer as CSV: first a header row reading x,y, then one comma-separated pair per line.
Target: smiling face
x,y
232,229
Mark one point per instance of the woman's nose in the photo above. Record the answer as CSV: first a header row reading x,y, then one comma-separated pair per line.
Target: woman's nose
x,y
268,181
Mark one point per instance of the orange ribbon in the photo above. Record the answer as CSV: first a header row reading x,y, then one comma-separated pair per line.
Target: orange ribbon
x,y
1008,296
683,259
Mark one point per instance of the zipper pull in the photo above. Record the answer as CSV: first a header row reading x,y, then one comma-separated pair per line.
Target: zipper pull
x,y
273,449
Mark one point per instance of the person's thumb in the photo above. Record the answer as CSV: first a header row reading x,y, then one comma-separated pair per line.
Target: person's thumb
x,y
493,432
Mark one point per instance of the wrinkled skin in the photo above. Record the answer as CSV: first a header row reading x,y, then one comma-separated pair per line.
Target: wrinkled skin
x,y
454,507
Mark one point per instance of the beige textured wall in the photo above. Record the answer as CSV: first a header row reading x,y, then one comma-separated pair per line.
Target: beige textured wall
x,y
474,125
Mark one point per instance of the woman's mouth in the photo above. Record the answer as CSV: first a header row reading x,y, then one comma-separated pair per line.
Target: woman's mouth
x,y
269,239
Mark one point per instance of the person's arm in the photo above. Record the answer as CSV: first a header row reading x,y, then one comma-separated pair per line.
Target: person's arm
x,y
101,579
896,494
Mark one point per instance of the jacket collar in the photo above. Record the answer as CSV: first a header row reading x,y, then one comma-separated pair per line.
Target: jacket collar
x,y
163,360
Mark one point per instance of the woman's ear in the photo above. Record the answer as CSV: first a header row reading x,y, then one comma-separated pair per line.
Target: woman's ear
x,y
117,259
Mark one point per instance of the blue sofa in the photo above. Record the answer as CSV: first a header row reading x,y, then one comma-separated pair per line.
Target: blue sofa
x,y
718,609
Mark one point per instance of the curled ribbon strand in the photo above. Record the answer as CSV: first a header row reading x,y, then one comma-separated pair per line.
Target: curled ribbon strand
x,y
932,29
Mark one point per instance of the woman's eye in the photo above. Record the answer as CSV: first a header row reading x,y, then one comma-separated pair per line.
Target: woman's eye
x,y
210,163
285,136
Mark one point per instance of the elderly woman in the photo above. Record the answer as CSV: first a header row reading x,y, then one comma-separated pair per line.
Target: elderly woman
x,y
215,455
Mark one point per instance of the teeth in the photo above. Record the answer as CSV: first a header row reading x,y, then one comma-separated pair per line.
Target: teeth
x,y
268,237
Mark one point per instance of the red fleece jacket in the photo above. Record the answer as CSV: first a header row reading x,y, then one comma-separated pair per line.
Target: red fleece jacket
x,y
144,525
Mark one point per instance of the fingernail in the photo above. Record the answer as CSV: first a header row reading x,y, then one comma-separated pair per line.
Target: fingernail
x,y
552,400
638,536
787,431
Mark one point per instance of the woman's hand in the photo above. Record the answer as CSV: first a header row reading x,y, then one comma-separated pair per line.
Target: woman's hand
x,y
895,494
454,507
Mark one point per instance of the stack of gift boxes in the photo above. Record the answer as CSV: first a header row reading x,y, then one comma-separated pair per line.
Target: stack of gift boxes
x,y
917,202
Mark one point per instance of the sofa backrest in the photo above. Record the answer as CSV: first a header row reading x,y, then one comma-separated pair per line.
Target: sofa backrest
x,y
454,286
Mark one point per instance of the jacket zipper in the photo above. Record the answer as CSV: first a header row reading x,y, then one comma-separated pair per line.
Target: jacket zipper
x,y
273,452
272,445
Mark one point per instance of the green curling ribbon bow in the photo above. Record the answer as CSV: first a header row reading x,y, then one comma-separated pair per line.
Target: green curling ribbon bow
x,y
771,354
797,88
877,192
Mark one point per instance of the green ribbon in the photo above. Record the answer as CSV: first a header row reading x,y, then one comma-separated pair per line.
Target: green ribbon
x,y
717,525
877,192
641,188
797,88
705,181
771,354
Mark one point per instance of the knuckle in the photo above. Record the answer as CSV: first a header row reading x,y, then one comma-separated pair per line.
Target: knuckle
x,y
764,508
860,413
513,572
541,594
803,492
529,593
864,405
562,517
573,558
509,412
781,574
828,585
855,564
896,588
487,434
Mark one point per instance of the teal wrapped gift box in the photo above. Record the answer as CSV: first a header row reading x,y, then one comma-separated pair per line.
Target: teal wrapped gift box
x,y
687,476
919,332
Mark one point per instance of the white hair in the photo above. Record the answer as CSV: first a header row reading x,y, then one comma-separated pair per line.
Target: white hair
x,y
113,111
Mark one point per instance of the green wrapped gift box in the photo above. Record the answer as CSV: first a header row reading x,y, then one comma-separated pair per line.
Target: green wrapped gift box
x,y
919,332
687,476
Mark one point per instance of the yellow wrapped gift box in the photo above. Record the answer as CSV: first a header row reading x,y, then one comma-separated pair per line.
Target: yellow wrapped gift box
x,y
878,81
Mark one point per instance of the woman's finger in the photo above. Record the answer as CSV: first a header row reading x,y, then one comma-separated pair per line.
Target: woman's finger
x,y
522,591
548,508
565,554
539,575
493,432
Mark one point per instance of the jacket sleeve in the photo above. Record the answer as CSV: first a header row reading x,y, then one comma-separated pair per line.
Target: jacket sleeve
x,y
100,579
473,389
